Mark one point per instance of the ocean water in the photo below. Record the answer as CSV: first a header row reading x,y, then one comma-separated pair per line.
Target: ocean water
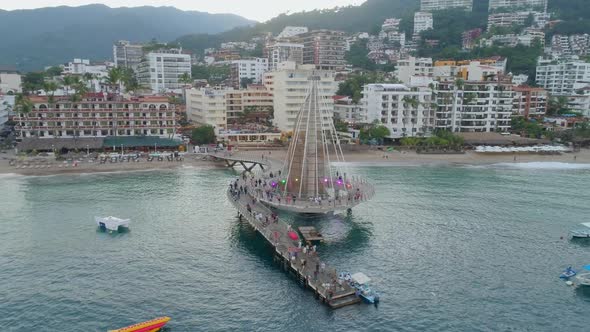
x,y
471,248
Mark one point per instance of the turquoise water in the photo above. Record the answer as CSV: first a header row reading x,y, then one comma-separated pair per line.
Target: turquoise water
x,y
449,249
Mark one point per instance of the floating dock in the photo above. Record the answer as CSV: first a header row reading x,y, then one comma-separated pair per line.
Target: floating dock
x,y
307,268
310,234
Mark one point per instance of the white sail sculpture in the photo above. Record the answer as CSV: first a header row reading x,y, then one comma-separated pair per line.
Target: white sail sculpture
x,y
314,178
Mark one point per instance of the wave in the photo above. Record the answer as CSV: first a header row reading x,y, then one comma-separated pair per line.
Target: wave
x,y
10,175
379,164
543,165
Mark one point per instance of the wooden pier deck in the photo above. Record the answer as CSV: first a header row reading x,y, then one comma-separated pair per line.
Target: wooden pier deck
x,y
307,268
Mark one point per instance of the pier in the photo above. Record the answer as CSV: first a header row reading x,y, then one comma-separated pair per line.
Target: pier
x,y
231,160
309,270
306,182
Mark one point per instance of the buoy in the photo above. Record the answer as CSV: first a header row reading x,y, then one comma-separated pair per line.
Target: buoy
x,y
569,283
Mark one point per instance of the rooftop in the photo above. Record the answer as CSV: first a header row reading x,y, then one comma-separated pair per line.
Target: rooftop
x,y
105,97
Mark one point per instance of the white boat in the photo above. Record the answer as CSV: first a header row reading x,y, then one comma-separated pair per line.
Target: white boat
x,y
360,281
582,232
583,279
111,223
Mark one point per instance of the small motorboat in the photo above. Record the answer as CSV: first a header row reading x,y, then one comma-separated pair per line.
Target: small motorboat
x,y
581,233
148,326
361,282
567,273
111,223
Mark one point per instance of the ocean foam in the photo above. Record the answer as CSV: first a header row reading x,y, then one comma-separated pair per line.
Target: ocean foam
x,y
10,175
544,165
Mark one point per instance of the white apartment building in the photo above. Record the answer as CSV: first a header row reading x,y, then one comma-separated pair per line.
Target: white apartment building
x,y
252,69
527,38
422,21
433,5
538,5
507,20
391,24
220,107
290,31
412,66
519,79
567,46
161,70
398,38
238,45
282,52
83,66
405,111
563,78
580,102
289,84
10,80
474,106
207,106
127,55
472,71
347,111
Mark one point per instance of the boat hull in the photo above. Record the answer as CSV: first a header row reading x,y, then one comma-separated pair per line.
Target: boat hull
x,y
148,326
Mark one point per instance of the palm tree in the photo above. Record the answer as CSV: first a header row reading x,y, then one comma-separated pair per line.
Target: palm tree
x,y
81,91
70,81
22,104
115,77
50,87
557,105
185,78
129,80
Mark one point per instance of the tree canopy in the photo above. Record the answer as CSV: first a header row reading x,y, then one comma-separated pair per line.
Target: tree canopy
x,y
203,135
213,74
353,86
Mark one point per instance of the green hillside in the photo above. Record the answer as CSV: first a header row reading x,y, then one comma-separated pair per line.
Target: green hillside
x,y
367,17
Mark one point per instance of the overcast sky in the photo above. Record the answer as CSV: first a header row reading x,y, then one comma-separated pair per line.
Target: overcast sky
x,y
260,10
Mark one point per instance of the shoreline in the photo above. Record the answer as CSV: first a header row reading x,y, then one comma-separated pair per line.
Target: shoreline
x,y
370,158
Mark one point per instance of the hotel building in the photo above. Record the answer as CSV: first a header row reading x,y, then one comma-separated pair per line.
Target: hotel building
x,y
405,111
98,115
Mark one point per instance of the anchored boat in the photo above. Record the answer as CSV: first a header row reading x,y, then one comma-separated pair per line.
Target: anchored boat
x,y
147,326
361,282
584,278
582,232
111,223
567,273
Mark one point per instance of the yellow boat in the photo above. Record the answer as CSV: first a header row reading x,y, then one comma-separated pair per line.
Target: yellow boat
x,y
153,325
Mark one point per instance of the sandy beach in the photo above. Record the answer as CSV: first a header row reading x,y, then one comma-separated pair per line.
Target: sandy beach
x,y
376,157
367,158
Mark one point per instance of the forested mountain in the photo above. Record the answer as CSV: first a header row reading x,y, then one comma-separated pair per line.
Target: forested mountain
x,y
368,17
574,16
35,38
